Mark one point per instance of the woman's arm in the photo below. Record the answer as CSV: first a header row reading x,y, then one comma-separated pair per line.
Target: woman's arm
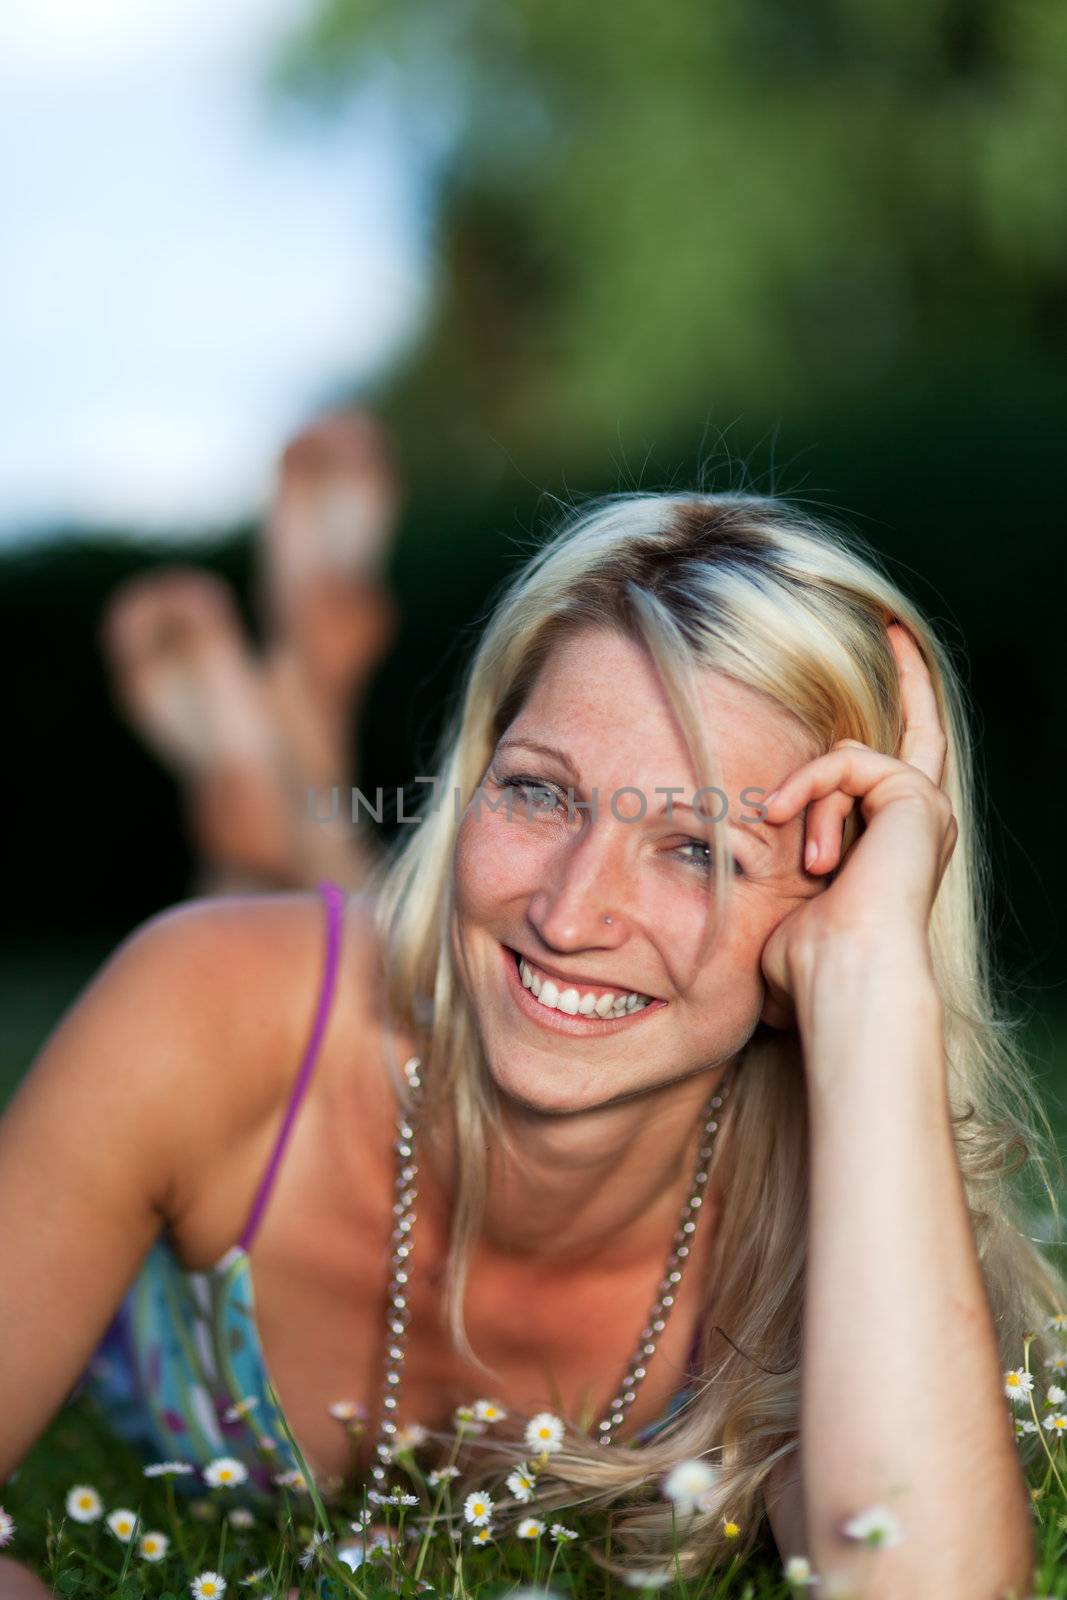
x,y
901,1392
19,1583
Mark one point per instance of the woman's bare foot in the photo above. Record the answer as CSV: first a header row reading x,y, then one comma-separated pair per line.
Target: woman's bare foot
x,y
186,680
328,614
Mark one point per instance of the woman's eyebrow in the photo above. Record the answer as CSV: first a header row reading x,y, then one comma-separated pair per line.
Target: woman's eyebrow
x,y
760,829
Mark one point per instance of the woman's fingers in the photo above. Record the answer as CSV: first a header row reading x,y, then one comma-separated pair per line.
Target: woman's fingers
x,y
924,744
824,828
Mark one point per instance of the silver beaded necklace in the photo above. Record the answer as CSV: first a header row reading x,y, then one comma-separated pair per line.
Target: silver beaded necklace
x,y
398,1313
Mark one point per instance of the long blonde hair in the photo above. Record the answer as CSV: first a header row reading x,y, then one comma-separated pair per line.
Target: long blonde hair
x,y
796,608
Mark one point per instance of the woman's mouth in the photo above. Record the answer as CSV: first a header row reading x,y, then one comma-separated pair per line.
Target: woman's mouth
x,y
573,1008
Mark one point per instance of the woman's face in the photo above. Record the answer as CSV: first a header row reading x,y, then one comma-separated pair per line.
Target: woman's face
x,y
541,884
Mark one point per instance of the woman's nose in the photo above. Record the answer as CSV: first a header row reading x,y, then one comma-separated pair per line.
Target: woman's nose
x,y
588,881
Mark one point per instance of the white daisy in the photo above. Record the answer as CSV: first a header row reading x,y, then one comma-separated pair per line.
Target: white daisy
x,y
1055,1422
489,1411
544,1433
241,1517
478,1508
241,1408
1018,1383
291,1480
1059,1322
409,1437
875,1526
1055,1395
482,1535
653,1578
123,1523
254,1577
1057,1362
441,1475
530,1528
562,1534
686,1482
7,1528
168,1469
208,1586
521,1482
798,1570
347,1411
1024,1425
153,1546
225,1471
311,1549
84,1504
464,1419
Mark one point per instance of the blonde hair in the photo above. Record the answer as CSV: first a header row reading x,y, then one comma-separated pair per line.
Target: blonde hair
x,y
795,608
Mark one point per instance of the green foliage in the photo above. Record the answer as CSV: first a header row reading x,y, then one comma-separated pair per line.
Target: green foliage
x,y
652,217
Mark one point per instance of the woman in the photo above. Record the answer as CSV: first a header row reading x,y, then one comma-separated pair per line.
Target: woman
x,y
687,956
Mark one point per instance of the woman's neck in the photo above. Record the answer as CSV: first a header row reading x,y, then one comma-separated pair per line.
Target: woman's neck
x,y
605,1184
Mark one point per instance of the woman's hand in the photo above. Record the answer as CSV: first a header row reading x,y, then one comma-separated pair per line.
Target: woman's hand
x,y
891,874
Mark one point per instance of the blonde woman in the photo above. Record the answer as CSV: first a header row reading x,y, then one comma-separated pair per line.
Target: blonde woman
x,y
657,1091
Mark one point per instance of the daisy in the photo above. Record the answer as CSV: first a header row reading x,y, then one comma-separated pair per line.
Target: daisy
x,y
410,1437
7,1528
1054,1395
153,1546
240,1517
654,1578
168,1469
291,1480
208,1586
441,1475
1059,1322
521,1482
224,1471
798,1570
687,1482
1017,1384
123,1524
731,1530
241,1408
530,1528
544,1433
562,1534
311,1549
347,1410
875,1526
1058,1361
84,1504
1024,1425
464,1419
254,1577
489,1411
478,1508
482,1535
1056,1422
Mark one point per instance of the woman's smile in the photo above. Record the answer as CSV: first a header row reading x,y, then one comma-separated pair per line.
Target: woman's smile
x,y
566,1020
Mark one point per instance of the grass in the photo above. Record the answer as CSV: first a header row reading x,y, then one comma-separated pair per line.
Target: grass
x,y
79,1559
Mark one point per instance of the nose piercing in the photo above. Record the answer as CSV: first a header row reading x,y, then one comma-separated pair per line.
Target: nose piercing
x,y
607,919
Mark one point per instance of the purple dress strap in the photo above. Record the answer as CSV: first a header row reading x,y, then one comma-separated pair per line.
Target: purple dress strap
x,y
334,898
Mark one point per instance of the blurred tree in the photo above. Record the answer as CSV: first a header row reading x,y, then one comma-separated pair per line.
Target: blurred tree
x,y
655,216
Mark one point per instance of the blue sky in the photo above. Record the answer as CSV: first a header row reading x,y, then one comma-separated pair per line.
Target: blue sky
x,y
185,271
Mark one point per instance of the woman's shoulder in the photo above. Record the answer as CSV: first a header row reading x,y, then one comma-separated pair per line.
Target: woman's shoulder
x,y
248,970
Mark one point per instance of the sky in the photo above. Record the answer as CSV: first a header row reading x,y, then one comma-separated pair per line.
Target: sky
x,y
187,271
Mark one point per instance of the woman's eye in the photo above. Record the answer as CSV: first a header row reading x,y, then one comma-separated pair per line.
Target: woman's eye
x,y
536,793
704,861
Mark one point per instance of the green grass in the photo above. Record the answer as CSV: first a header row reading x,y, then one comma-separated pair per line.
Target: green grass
x,y
88,1560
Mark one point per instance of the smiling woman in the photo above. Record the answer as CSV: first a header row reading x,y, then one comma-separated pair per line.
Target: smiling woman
x,y
594,972
702,1116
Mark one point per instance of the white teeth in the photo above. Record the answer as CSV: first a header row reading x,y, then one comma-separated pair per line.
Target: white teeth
x,y
573,1003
